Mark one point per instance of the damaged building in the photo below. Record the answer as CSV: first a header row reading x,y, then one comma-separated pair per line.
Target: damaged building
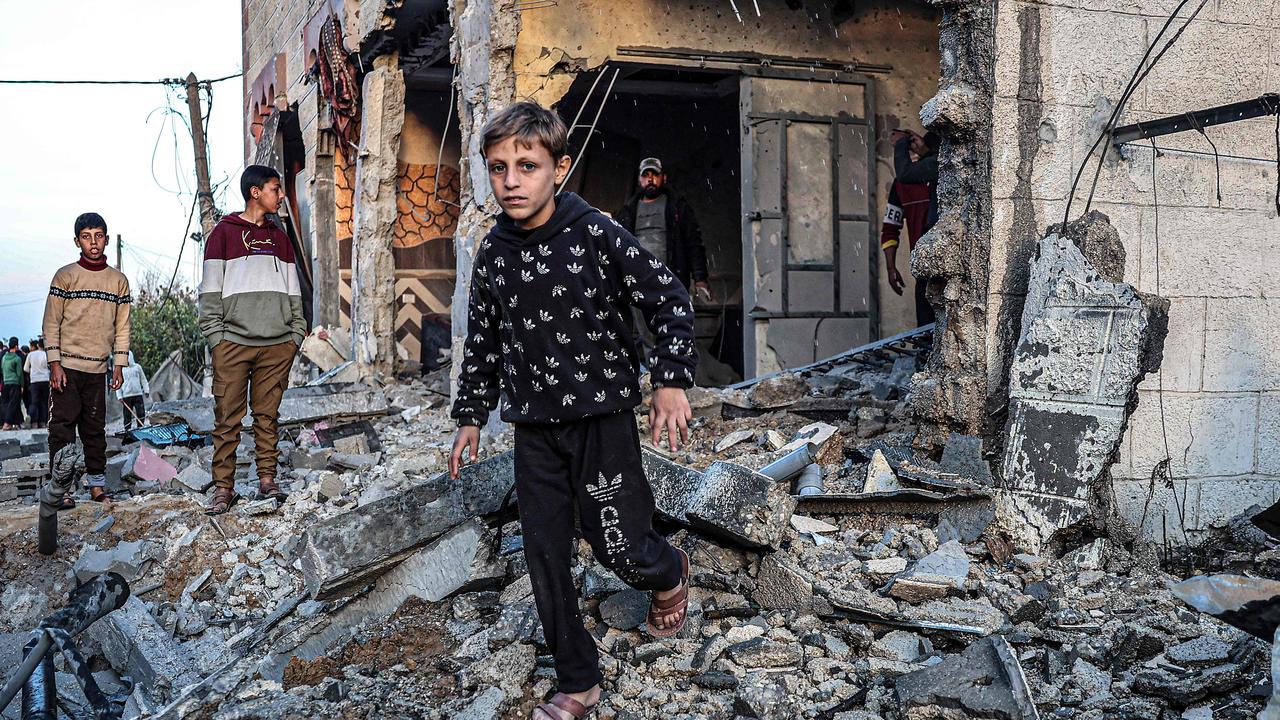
x,y
775,121
1044,504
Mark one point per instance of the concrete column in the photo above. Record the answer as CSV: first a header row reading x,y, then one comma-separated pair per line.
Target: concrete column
x,y
482,48
951,394
326,300
373,269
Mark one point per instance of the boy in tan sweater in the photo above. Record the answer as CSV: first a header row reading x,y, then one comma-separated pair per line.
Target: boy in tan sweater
x,y
86,323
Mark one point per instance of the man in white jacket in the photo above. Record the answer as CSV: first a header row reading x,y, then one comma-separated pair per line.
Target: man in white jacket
x,y
132,394
37,366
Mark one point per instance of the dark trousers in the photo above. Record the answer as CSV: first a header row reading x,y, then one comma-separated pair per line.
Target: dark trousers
x,y
135,411
81,405
924,311
40,402
11,405
589,469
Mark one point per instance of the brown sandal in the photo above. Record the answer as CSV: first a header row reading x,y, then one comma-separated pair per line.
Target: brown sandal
x,y
677,604
267,488
99,494
223,499
68,502
560,701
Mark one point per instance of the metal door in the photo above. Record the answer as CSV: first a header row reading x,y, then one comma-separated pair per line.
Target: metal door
x,y
808,193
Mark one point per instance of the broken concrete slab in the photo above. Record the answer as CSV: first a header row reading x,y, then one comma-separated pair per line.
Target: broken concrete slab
x,y
963,456
985,681
299,405
136,645
194,478
777,391
626,610
880,477
348,550
1072,385
817,433
674,485
780,586
734,438
126,558
934,575
741,506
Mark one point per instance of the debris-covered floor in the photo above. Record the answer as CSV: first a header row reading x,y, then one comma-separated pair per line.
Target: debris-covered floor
x,y
379,589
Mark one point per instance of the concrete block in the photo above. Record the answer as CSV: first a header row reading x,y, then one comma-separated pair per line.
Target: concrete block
x,y
741,506
1044,154
1203,67
10,448
1184,349
1269,434
1221,499
1077,361
458,561
1095,40
299,405
1241,344
985,680
126,558
135,645
1191,267
348,550
194,479
1207,434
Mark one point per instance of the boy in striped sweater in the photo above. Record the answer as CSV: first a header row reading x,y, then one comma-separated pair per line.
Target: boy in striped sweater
x,y
86,324
251,315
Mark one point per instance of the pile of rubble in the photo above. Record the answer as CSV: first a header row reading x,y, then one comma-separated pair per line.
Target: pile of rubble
x,y
836,574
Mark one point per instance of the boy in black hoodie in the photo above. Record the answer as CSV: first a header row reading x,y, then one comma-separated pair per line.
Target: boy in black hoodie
x,y
550,308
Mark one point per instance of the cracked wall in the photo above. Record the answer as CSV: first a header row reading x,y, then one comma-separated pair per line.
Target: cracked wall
x,y
1059,67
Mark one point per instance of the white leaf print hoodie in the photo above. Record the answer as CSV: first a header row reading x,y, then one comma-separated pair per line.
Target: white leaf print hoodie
x,y
577,276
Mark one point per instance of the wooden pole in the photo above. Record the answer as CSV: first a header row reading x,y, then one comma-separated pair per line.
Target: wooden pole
x,y
204,193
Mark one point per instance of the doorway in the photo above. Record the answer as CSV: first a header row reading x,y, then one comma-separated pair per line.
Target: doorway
x,y
779,169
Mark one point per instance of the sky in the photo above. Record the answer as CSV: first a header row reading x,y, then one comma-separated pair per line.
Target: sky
x,y
111,149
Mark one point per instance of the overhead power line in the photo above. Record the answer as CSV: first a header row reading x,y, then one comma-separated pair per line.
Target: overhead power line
x,y
162,81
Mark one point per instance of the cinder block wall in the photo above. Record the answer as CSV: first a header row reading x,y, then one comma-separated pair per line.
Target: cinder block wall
x,y
1060,67
271,27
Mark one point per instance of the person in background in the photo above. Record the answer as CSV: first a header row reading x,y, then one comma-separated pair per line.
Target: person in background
x,y
37,366
132,394
913,201
664,223
26,382
11,396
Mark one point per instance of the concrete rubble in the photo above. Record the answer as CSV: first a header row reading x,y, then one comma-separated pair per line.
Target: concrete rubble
x,y
381,588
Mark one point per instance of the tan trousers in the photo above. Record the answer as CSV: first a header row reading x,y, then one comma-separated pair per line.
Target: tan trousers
x,y
262,373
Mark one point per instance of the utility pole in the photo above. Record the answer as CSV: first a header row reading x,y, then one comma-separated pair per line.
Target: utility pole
x,y
119,253
204,193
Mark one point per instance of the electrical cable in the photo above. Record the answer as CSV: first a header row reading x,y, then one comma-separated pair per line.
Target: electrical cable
x,y
1115,113
1217,162
1134,83
162,81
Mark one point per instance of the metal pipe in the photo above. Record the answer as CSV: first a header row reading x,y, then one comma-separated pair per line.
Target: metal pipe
x,y
40,691
810,482
29,662
790,465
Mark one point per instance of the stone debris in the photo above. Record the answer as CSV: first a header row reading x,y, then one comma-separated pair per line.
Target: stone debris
x,y
383,588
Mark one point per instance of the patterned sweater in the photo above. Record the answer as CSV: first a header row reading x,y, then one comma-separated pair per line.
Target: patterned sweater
x,y
86,317
249,290
550,313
